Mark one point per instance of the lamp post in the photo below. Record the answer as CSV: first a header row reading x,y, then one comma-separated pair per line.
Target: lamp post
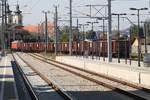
x,y
84,34
70,31
109,36
56,29
83,28
92,23
9,22
138,35
2,28
118,15
46,31
145,36
130,44
103,43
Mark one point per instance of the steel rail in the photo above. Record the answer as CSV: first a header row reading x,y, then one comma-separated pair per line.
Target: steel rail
x,y
53,62
26,81
50,83
100,75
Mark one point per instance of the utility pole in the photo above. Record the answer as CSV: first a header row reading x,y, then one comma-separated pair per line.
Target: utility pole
x,y
103,39
138,35
42,31
78,33
5,25
9,22
70,31
139,40
84,38
145,35
56,29
2,30
130,45
118,38
1,25
118,15
46,32
92,27
109,35
103,43
5,6
38,37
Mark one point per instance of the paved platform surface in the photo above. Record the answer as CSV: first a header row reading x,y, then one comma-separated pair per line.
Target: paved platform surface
x,y
128,72
8,89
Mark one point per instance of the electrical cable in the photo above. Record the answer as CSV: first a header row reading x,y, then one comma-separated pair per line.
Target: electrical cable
x,y
31,8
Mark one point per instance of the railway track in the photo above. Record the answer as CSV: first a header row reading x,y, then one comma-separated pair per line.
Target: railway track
x,y
79,87
28,90
132,90
32,92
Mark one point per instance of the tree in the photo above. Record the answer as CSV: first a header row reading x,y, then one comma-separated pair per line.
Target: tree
x,y
64,37
134,31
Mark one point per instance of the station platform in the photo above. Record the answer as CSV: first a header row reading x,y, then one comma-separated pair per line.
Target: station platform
x,y
123,71
8,89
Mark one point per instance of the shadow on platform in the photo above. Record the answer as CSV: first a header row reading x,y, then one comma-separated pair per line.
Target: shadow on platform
x,y
86,95
8,92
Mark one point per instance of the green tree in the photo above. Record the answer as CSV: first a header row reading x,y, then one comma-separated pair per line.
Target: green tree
x,y
64,37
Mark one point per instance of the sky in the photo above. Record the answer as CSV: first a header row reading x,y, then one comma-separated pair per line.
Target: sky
x,y
32,10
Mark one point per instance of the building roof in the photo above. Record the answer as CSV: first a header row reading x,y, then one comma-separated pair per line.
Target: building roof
x,y
31,28
39,28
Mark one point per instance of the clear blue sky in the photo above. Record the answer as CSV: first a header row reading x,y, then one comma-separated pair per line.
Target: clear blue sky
x,y
35,7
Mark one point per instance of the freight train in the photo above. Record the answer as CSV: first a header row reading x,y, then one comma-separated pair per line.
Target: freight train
x,y
96,48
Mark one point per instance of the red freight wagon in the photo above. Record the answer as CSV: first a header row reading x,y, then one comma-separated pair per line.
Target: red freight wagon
x,y
16,45
51,47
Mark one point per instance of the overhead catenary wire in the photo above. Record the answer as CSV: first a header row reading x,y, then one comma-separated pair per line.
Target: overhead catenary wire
x,y
78,11
31,8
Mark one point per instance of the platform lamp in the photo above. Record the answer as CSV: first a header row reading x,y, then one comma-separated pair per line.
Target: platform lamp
x,y
118,15
138,35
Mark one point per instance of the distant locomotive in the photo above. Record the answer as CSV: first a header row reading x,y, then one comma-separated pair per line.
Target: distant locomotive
x,y
95,48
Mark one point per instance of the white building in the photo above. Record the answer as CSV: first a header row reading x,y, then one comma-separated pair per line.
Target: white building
x,y
16,18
